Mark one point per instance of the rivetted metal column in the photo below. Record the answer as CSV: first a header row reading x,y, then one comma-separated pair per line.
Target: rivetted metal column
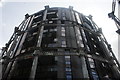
x,y
35,61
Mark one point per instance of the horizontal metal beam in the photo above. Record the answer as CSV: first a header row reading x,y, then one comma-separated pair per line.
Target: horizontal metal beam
x,y
59,53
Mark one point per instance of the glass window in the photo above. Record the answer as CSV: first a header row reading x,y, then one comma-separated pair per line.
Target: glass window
x,y
63,45
55,39
68,76
68,65
88,48
78,31
93,72
68,73
67,59
63,42
45,31
34,25
52,69
53,29
63,34
67,56
35,33
92,65
23,51
82,45
68,69
50,21
67,62
51,12
52,45
62,28
80,37
78,42
97,53
64,18
56,58
63,14
78,19
63,31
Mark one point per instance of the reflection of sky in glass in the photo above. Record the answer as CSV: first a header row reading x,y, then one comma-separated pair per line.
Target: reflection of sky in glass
x,y
12,14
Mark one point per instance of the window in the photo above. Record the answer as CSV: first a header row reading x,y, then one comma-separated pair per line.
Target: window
x,y
82,45
88,48
78,30
67,62
52,45
63,34
68,76
50,21
80,38
63,14
35,33
23,51
63,28
67,56
55,39
97,53
51,30
68,73
78,19
95,46
45,31
51,12
55,29
52,68
56,58
63,44
35,25
68,69
68,65
62,31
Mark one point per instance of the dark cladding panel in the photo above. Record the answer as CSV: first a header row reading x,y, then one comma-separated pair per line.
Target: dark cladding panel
x,y
68,39
61,67
59,13
76,67
68,15
72,36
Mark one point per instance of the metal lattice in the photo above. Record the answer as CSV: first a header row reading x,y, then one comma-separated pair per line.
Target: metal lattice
x,y
57,43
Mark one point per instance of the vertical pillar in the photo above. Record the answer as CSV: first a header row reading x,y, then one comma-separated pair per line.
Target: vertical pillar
x,y
119,35
35,60
61,59
61,67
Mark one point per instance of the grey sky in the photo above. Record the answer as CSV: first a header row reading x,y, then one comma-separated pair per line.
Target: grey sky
x,y
13,12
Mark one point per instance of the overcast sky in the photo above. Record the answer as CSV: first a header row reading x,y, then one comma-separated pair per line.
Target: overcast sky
x,y
12,13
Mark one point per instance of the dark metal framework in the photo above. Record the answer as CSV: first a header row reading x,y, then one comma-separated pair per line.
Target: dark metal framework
x,y
112,15
58,43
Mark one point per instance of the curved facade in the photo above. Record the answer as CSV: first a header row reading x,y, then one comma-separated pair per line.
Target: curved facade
x,y
58,43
